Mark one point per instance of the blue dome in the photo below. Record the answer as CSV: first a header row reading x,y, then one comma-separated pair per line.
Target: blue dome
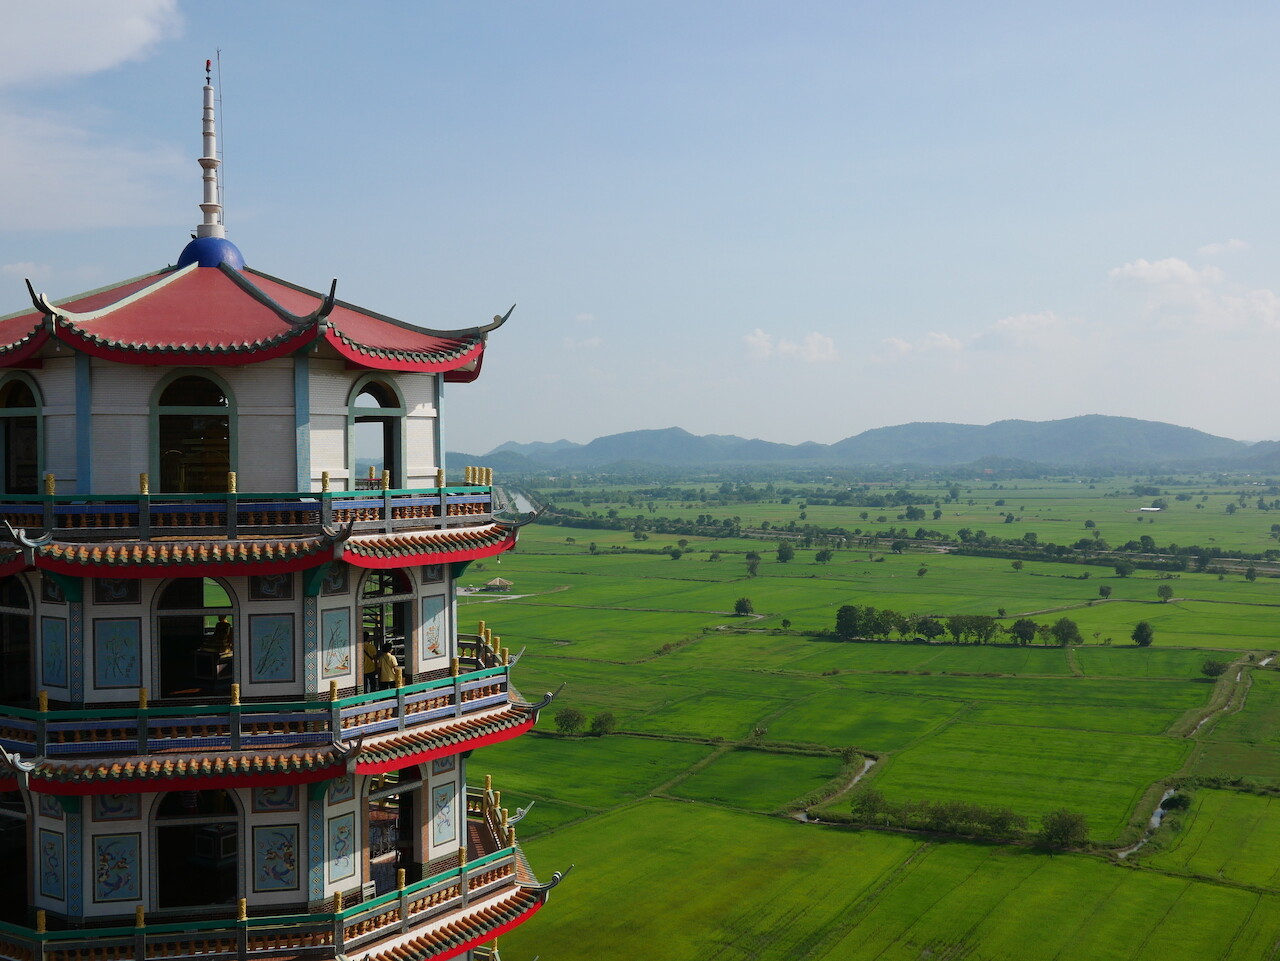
x,y
210,252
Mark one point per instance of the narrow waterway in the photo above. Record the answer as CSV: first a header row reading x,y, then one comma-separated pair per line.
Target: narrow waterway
x,y
1157,816
867,764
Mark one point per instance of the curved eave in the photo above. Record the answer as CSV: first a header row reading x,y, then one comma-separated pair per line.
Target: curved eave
x,y
26,347
141,560
84,777
377,358
388,551
182,354
459,936
419,748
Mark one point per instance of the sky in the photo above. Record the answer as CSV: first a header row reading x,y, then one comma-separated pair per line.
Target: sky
x,y
793,221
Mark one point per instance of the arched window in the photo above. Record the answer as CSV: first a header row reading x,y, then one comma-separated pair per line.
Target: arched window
x,y
375,434
16,668
22,442
386,606
197,848
195,638
193,420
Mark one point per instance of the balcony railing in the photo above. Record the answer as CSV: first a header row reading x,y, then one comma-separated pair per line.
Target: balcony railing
x,y
79,517
133,731
459,894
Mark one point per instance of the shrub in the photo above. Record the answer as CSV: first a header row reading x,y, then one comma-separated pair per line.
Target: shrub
x,y
1062,829
569,720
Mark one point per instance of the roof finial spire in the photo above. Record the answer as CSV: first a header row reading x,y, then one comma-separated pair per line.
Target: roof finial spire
x,y
212,224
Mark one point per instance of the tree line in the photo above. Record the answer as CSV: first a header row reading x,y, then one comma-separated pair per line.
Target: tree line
x,y
866,622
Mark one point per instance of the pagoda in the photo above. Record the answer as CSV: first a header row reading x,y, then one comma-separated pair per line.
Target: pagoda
x,y
236,707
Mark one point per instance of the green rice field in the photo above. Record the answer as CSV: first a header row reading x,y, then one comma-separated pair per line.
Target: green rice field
x,y
726,723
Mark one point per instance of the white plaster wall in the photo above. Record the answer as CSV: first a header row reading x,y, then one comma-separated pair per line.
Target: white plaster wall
x,y
144,826
449,787
57,388
243,612
122,396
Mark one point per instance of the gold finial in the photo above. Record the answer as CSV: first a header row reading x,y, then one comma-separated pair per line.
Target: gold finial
x,y
453,667
324,482
462,856
50,484
41,922
440,477
480,631
139,916
506,656
235,693
400,878
372,475
495,643
231,482
497,799
42,701
242,910
386,480
144,483
142,698
399,677
488,783
333,690
504,819
337,902
488,476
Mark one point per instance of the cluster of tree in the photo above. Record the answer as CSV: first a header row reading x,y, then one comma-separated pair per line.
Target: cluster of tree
x,y
869,806
569,720
862,621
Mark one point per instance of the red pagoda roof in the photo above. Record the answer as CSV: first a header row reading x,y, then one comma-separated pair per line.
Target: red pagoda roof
x,y
223,316
266,555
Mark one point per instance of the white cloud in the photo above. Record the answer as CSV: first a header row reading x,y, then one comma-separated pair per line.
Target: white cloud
x,y
813,348
57,39
1182,297
70,175
27,270
932,342
73,179
1171,270
759,344
1214,249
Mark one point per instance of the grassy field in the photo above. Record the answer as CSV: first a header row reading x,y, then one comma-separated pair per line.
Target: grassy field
x,y
725,720
1226,835
663,880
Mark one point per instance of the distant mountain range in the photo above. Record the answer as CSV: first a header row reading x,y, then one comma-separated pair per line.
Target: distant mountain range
x,y
1093,440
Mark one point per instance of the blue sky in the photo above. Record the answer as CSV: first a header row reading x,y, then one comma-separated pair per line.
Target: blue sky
x,y
790,221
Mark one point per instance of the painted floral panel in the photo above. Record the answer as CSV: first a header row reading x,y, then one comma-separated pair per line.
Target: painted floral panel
x,y
116,876
275,857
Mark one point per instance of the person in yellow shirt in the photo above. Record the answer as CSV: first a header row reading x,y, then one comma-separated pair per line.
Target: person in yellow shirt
x,y
387,667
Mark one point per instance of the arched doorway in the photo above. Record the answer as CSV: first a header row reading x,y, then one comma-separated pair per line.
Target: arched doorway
x,y
16,668
193,432
195,638
197,849
394,826
20,423
386,603
376,417
14,836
